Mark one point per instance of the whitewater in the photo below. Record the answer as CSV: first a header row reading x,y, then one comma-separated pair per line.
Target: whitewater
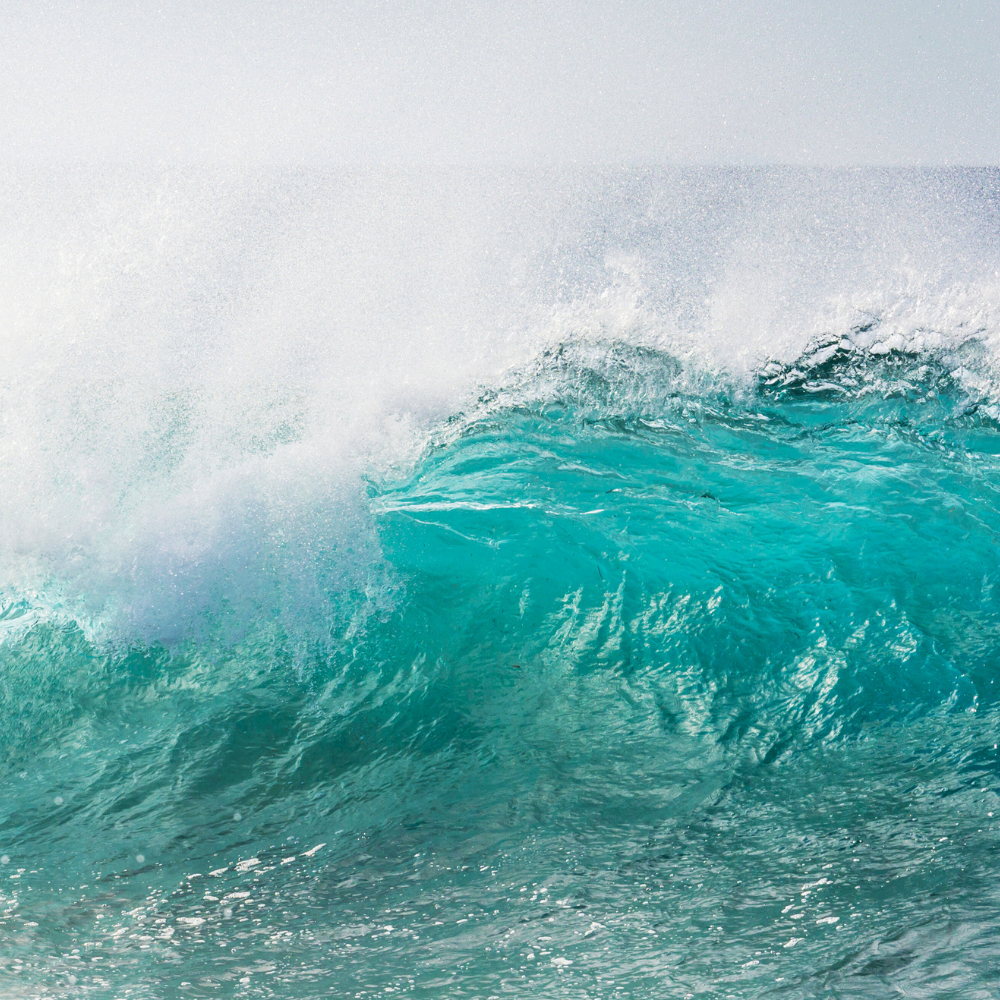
x,y
486,583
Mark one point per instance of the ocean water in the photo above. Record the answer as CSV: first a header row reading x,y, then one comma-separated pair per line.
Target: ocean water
x,y
485,585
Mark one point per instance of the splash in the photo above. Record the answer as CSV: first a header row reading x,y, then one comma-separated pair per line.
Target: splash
x,y
568,583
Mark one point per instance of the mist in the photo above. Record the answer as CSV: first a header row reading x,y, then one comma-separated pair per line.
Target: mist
x,y
897,84
253,255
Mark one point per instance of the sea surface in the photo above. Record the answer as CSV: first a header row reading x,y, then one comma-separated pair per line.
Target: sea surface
x,y
466,584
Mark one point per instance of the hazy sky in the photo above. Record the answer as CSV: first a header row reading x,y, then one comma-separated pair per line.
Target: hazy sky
x,y
802,82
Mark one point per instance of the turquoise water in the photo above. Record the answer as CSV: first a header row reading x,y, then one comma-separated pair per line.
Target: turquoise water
x,y
636,679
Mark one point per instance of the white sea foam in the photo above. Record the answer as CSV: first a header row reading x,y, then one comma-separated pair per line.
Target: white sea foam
x,y
202,372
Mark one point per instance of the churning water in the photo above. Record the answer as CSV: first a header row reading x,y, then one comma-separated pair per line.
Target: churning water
x,y
484,585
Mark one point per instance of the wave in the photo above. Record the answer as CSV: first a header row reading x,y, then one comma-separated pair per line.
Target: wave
x,y
178,548
500,583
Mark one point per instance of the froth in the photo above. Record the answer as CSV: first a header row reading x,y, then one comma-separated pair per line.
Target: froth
x,y
206,376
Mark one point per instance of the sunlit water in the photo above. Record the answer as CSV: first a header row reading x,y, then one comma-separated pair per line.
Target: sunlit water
x,y
632,666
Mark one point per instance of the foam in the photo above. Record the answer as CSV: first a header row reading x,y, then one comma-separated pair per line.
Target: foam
x,y
206,374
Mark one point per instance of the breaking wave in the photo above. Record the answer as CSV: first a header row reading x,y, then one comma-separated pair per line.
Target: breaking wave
x,y
560,585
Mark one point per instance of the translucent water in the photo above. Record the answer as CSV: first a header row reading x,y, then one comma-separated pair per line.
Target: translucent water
x,y
643,654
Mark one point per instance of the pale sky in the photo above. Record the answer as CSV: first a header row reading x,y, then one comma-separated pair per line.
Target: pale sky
x,y
424,82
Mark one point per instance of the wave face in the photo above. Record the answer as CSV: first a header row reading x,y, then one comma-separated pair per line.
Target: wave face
x,y
563,585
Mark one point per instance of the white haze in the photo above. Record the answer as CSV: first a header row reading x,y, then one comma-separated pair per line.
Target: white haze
x,y
899,82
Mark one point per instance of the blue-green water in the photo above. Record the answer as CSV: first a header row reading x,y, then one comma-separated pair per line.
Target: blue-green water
x,y
643,680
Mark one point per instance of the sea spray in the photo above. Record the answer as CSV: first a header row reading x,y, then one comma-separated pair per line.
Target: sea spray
x,y
546,584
